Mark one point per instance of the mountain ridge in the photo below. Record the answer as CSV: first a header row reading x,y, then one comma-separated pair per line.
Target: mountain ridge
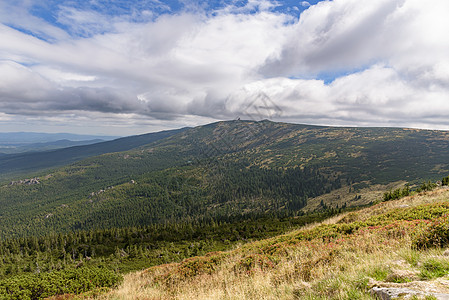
x,y
45,146
30,162
37,137
223,171
239,187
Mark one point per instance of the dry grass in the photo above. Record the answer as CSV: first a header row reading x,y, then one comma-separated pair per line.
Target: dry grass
x,y
303,264
438,195
349,195
307,272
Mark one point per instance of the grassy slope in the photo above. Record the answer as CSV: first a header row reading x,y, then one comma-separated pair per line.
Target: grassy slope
x,y
352,196
389,244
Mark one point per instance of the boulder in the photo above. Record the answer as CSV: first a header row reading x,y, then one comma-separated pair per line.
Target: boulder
x,y
387,293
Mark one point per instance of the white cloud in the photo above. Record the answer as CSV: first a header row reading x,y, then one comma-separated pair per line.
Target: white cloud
x,y
84,23
16,15
390,56
20,84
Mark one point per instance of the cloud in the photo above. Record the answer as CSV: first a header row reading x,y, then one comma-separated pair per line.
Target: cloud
x,y
378,96
387,59
84,23
160,66
334,36
17,15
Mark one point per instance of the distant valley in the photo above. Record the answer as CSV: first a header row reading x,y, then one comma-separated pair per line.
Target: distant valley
x,y
19,142
9,148
58,153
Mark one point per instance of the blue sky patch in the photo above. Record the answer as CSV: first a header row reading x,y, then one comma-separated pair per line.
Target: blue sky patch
x,y
137,11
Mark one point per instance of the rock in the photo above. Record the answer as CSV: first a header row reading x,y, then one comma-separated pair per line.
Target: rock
x,y
31,181
403,293
446,252
401,276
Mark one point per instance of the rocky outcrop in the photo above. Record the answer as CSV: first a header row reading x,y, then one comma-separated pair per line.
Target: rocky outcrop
x,y
416,289
387,293
100,192
30,181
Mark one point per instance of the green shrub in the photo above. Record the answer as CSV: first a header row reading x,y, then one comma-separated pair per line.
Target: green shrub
x,y
397,193
70,281
426,186
435,235
253,261
445,181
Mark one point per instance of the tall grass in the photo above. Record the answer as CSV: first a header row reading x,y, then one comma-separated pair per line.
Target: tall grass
x,y
336,260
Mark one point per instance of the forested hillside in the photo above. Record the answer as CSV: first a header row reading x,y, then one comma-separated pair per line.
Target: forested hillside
x,y
180,194
16,164
45,146
221,171
392,250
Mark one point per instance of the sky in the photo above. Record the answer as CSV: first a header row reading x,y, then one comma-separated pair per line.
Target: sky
x,y
130,67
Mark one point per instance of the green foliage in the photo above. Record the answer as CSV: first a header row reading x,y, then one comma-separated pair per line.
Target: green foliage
x,y
200,190
219,171
436,234
445,181
405,191
426,186
35,161
434,268
133,248
420,212
79,199
397,193
69,281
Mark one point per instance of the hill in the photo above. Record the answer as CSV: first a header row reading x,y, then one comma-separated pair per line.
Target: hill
x,y
23,138
44,146
19,142
392,248
220,172
15,164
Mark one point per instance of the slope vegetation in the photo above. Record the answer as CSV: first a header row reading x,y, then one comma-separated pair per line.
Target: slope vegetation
x,y
397,244
14,164
220,172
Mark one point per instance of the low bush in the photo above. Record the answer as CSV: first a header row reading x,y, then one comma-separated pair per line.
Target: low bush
x,y
69,281
436,234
